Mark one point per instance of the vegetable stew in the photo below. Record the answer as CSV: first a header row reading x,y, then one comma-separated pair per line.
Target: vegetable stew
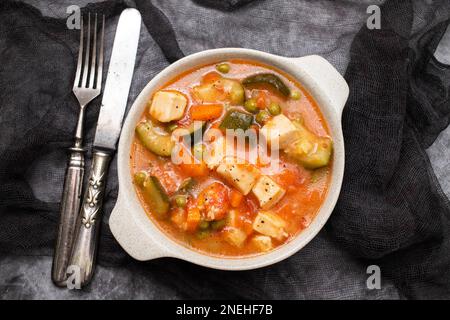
x,y
232,197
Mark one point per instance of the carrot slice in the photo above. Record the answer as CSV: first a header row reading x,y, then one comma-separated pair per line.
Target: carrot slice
x,y
247,227
194,169
206,112
193,219
210,77
261,100
179,218
236,198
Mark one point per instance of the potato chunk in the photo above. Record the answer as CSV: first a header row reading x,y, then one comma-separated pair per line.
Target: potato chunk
x,y
269,224
240,175
279,129
219,90
268,192
234,236
263,243
220,149
232,219
168,106
216,153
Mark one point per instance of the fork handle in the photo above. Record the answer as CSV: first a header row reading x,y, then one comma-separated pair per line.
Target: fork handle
x,y
70,206
85,246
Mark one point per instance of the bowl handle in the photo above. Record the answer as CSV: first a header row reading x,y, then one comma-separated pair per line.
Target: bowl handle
x,y
325,76
131,235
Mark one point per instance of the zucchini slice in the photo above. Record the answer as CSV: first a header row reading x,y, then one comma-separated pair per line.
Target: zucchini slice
x,y
157,199
270,79
235,119
310,150
221,90
158,143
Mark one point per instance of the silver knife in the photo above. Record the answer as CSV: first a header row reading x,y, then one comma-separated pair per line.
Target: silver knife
x,y
115,96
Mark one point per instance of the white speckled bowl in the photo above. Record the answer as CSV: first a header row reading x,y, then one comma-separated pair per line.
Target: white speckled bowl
x,y
143,240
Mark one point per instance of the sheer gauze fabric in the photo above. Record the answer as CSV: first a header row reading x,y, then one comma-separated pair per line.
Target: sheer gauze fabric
x,y
391,211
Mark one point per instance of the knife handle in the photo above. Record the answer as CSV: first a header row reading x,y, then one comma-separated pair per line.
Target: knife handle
x,y
85,246
70,206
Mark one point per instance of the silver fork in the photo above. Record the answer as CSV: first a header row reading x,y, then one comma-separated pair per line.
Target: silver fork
x,y
86,87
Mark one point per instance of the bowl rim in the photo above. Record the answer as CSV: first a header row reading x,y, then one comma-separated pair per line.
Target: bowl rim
x,y
164,245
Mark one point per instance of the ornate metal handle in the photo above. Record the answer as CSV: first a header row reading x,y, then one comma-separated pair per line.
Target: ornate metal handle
x,y
85,246
70,206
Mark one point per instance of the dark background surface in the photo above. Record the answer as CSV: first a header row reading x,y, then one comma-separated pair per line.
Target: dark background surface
x,y
323,269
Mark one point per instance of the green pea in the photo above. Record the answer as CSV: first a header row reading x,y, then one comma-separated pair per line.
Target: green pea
x,y
251,106
295,95
262,117
218,224
139,177
274,108
203,225
223,67
180,200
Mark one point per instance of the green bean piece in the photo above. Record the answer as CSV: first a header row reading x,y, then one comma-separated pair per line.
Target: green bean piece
x,y
274,109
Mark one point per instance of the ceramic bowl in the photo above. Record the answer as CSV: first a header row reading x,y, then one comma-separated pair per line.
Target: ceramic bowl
x,y
143,240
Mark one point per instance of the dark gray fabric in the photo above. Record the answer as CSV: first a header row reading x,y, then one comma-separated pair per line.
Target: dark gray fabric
x,y
391,208
36,128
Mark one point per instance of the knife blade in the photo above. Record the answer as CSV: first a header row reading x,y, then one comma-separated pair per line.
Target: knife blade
x,y
114,102
118,80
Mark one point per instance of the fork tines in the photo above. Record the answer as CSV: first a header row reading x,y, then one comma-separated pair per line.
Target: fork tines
x,y
90,64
